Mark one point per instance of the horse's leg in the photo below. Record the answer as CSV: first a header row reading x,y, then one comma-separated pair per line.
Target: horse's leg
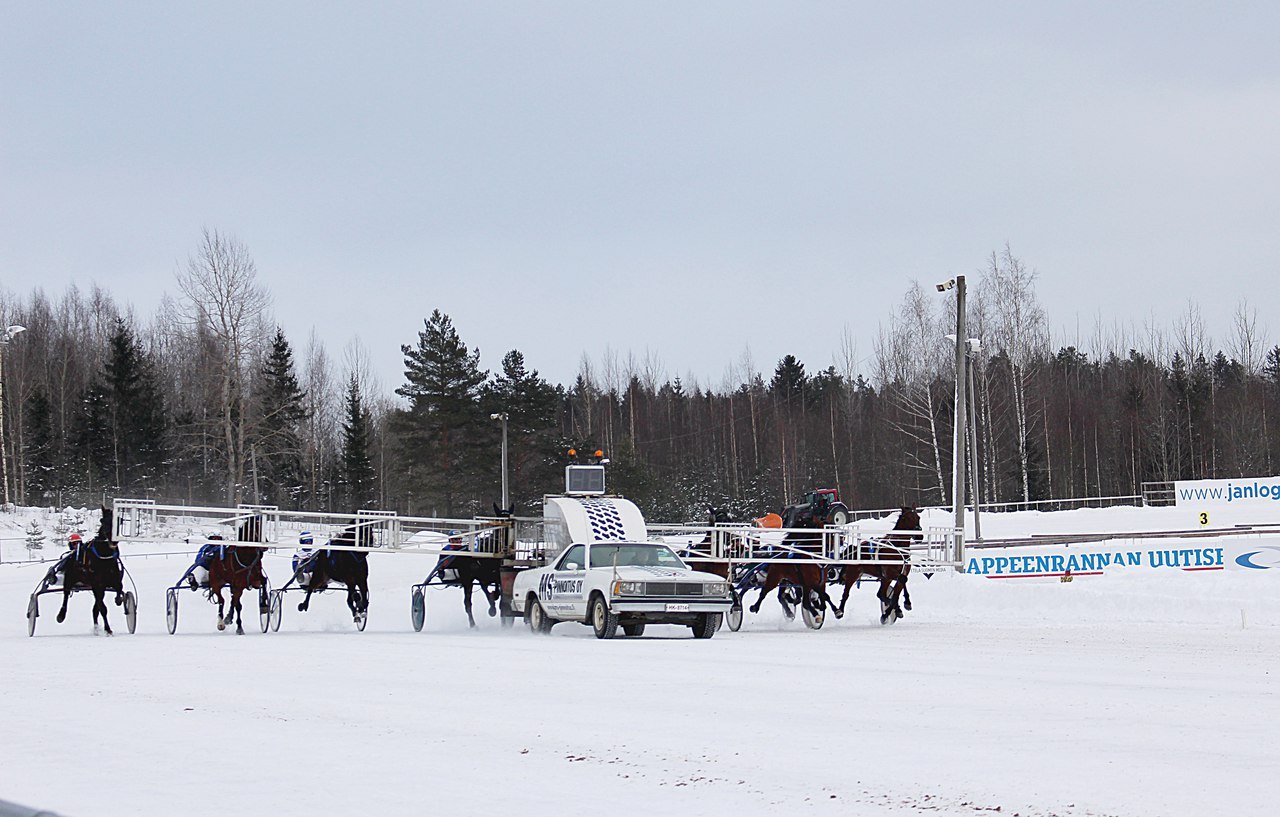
x,y
236,592
824,599
100,606
851,575
886,599
492,599
771,580
906,594
66,596
466,601
306,600
215,590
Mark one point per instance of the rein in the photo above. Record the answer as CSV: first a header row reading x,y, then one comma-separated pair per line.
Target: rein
x,y
235,554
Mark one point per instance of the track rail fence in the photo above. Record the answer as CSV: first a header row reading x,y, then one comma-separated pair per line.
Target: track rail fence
x,y
934,549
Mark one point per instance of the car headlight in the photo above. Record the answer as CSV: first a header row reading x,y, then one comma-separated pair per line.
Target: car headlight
x,y
628,588
715,589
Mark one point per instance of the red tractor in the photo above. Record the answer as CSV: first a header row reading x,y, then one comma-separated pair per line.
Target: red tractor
x,y
819,508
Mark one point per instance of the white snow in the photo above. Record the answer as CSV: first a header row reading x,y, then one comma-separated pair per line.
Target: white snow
x,y
1137,695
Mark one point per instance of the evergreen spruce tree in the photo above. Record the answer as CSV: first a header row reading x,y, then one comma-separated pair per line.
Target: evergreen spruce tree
x,y
135,407
445,439
531,405
93,450
42,478
279,404
358,476
789,379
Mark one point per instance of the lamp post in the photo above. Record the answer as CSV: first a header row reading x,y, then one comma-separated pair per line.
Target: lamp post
x,y
503,417
958,440
6,335
974,344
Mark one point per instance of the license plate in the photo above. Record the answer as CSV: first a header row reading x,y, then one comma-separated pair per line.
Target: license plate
x,y
677,608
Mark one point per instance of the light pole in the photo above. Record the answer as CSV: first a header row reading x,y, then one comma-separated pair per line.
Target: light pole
x,y
6,335
974,345
503,417
958,439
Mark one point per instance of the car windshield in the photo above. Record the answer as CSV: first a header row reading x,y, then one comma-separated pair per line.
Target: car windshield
x,y
636,555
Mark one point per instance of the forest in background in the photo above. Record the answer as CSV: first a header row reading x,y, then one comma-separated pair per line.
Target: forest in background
x,y
207,401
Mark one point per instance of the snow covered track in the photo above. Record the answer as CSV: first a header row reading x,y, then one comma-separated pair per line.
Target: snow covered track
x,y
1134,695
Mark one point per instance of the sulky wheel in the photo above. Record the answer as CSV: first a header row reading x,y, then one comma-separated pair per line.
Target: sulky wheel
x,y
171,610
33,612
131,612
812,620
734,617
275,609
264,607
418,609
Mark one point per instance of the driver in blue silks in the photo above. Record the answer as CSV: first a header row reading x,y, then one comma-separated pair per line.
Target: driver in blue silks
x,y
304,558
197,575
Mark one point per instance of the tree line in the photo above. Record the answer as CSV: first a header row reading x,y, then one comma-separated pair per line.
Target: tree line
x,y
207,401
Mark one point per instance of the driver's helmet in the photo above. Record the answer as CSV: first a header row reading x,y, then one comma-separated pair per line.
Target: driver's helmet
x,y
214,536
304,538
74,539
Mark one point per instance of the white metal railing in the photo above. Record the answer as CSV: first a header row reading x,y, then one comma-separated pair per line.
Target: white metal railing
x,y
137,520
1158,493
850,544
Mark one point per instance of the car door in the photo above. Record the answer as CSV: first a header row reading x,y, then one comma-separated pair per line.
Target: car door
x,y
560,590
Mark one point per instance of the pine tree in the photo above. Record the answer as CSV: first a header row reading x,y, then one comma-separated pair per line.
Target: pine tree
x,y
94,446
789,379
277,439
531,405
35,536
136,412
444,434
358,476
40,449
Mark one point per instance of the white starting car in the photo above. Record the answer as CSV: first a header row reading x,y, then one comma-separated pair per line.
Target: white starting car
x,y
627,584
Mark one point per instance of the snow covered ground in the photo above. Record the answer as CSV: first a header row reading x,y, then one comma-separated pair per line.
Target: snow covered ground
x,y
1140,694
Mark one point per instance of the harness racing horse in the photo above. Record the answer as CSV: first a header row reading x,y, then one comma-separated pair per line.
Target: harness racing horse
x,y
895,548
458,570
349,567
239,568
808,578
94,565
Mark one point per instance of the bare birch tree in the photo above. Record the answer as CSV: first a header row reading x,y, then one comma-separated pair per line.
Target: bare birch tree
x,y
220,284
1019,331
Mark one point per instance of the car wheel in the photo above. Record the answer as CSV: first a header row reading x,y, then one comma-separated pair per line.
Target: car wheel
x,y
634,630
706,625
538,621
603,621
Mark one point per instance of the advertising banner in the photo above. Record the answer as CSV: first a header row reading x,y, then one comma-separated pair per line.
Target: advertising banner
x,y
1247,491
1098,559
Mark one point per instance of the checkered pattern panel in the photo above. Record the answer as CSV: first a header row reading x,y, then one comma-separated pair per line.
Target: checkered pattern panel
x,y
605,522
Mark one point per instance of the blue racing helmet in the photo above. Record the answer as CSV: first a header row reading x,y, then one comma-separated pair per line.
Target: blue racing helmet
x,y
304,538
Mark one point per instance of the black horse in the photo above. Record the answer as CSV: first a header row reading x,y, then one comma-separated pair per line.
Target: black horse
x,y
93,565
460,570
895,550
350,567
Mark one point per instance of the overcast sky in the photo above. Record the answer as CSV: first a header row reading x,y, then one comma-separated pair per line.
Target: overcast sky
x,y
683,178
